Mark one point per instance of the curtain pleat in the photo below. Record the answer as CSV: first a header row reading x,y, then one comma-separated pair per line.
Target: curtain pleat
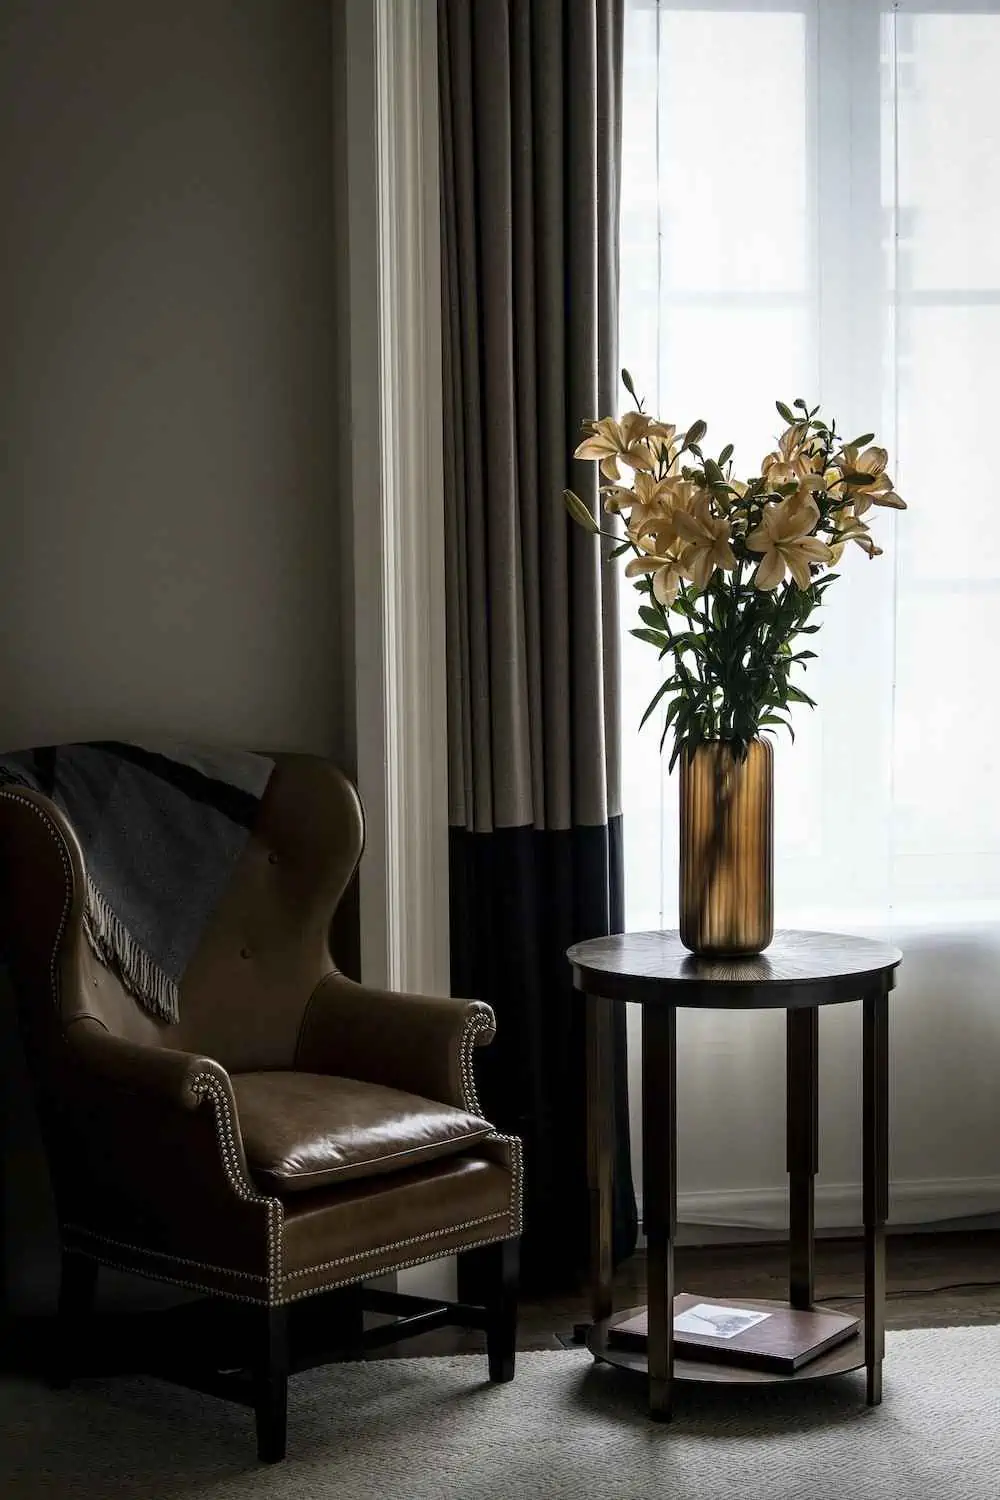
x,y
530,144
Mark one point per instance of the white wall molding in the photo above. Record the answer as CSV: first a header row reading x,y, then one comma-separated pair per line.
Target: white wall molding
x,y
838,1205
396,435
397,482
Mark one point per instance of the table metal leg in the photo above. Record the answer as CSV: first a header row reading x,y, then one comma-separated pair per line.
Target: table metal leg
x,y
802,1150
876,1182
659,1167
600,1138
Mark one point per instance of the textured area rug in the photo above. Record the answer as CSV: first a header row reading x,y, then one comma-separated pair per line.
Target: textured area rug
x,y
431,1429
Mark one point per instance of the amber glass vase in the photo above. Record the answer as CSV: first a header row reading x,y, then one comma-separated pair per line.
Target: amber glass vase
x,y
727,838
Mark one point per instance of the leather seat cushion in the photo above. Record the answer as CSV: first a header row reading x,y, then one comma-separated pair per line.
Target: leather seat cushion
x,y
309,1130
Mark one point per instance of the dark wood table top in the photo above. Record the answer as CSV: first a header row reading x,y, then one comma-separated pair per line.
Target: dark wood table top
x,y
798,969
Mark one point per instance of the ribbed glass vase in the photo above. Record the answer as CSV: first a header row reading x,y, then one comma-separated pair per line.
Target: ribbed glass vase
x,y
727,841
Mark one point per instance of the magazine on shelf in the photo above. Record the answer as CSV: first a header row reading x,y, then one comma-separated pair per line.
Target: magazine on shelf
x,y
766,1337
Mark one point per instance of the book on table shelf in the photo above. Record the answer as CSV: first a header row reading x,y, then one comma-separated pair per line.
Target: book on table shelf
x,y
766,1338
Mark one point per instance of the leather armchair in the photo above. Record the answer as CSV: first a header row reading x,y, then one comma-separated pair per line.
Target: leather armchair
x,y
295,1132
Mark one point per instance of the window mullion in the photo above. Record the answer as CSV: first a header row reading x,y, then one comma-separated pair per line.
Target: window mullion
x,y
848,218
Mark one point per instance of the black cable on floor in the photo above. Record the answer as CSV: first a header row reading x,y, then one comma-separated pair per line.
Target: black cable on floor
x,y
917,1291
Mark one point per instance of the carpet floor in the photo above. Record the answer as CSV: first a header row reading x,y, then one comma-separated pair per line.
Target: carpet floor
x,y
432,1429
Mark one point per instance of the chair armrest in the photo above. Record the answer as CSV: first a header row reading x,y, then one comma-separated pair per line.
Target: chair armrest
x,y
158,1072
417,1043
152,1171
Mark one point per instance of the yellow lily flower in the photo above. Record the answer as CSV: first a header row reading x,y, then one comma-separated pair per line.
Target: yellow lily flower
x,y
662,440
777,472
850,529
785,538
798,462
647,494
672,497
666,568
655,525
611,442
879,491
708,541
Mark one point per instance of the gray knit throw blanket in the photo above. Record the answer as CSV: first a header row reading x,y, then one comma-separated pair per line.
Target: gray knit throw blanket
x,y
161,830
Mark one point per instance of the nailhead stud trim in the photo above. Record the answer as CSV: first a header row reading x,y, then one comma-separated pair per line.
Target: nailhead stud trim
x,y
478,1023
395,1265
225,1128
189,1285
415,1239
177,1260
516,1179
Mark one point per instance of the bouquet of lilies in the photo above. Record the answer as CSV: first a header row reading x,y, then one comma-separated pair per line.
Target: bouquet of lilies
x,y
731,570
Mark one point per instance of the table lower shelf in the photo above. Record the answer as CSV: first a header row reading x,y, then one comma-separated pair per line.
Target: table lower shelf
x,y
840,1360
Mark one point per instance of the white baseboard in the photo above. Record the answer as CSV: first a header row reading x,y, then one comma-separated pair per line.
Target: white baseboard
x,y
838,1205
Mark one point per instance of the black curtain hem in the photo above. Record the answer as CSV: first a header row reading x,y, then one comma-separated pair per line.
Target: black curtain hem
x,y
519,898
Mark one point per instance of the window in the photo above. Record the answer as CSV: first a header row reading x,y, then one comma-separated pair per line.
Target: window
x,y
811,207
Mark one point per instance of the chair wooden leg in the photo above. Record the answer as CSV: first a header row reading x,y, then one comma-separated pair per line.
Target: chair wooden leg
x,y
270,1377
352,1322
501,1309
77,1291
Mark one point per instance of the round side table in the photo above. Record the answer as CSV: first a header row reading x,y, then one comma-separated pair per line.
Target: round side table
x,y
798,973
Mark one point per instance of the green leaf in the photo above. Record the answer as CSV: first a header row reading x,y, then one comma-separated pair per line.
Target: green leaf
x,y
623,547
859,442
652,637
663,688
673,712
796,695
680,710
775,719
650,616
785,413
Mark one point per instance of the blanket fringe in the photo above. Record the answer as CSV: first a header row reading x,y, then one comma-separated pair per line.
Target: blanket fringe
x,y
118,949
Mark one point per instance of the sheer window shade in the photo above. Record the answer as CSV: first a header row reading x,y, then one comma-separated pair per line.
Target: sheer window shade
x,y
811,206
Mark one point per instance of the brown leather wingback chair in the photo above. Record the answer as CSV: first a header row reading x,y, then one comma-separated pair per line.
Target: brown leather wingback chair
x,y
295,1131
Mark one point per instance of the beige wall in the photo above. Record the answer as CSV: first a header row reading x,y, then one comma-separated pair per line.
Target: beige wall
x,y
175,541
171,541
